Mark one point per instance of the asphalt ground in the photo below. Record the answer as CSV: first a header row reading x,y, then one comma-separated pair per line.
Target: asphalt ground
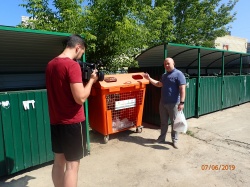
x,y
214,152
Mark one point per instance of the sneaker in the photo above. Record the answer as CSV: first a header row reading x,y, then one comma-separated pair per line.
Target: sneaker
x,y
175,145
159,141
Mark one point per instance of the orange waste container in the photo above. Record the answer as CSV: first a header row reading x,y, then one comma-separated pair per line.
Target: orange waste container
x,y
116,104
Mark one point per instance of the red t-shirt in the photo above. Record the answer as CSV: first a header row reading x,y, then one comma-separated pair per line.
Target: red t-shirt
x,y
63,109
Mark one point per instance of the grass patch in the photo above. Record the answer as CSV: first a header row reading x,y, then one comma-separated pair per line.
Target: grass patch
x,y
190,133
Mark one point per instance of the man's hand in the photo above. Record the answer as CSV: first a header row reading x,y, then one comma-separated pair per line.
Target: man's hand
x,y
180,107
152,81
146,76
94,75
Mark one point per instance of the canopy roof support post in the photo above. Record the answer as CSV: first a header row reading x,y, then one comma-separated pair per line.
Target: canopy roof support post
x,y
165,53
240,64
222,79
86,104
198,84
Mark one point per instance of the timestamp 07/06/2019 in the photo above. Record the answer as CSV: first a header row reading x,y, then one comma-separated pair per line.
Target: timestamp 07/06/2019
x,y
215,167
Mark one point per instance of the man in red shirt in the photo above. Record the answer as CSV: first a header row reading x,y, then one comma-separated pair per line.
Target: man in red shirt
x,y
66,95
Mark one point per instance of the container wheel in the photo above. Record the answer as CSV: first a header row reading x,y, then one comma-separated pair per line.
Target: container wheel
x,y
139,129
106,139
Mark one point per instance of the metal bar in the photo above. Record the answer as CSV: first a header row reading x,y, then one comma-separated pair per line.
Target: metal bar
x,y
198,83
165,51
86,109
222,79
240,64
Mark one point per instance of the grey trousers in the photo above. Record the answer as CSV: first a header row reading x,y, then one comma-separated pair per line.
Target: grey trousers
x,y
168,112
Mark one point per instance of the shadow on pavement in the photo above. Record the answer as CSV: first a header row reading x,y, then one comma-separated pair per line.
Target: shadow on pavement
x,y
129,136
21,182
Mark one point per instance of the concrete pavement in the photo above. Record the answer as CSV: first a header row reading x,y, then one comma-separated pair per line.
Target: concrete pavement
x,y
215,152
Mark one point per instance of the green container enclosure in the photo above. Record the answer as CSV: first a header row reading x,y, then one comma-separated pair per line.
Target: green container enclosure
x,y
24,120
210,84
232,91
26,130
246,92
2,150
191,98
210,94
245,89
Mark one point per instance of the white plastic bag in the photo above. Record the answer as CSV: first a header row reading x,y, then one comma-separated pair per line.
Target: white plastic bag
x,y
180,122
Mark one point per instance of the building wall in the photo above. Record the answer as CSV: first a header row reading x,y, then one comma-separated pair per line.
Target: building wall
x,y
231,43
248,47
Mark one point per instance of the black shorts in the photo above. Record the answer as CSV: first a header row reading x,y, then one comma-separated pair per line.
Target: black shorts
x,y
69,140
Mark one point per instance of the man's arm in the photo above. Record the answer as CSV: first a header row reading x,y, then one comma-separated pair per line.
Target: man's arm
x,y
182,89
182,92
80,92
152,81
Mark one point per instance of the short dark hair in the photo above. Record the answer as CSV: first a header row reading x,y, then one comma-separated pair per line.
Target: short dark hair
x,y
73,40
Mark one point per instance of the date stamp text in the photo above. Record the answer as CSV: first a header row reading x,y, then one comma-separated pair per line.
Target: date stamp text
x,y
218,167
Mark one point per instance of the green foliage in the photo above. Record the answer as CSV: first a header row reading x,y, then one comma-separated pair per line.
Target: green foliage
x,y
42,16
201,22
66,16
117,30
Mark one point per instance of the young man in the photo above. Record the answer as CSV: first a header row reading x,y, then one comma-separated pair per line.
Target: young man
x,y
173,85
66,95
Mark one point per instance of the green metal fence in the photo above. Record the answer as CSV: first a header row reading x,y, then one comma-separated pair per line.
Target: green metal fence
x,y
217,93
191,98
25,131
244,89
232,90
2,152
210,95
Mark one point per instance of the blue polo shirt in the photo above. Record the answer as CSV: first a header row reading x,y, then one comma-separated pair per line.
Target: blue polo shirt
x,y
170,93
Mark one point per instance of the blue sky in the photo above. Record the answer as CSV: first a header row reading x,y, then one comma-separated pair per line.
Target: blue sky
x,y
10,15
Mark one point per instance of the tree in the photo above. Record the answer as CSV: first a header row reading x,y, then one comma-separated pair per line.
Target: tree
x,y
66,16
201,22
157,22
42,17
117,30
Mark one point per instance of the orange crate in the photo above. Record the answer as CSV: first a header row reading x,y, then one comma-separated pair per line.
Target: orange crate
x,y
116,104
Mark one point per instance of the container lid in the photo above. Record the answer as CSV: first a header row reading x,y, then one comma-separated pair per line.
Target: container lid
x,y
122,80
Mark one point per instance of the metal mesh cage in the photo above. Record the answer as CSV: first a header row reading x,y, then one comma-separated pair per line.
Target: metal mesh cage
x,y
123,107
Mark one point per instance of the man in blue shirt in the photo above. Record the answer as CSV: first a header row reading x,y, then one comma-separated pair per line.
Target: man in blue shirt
x,y
173,86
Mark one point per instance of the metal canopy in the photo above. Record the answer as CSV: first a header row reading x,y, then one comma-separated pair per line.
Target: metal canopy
x,y
24,55
28,51
187,57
